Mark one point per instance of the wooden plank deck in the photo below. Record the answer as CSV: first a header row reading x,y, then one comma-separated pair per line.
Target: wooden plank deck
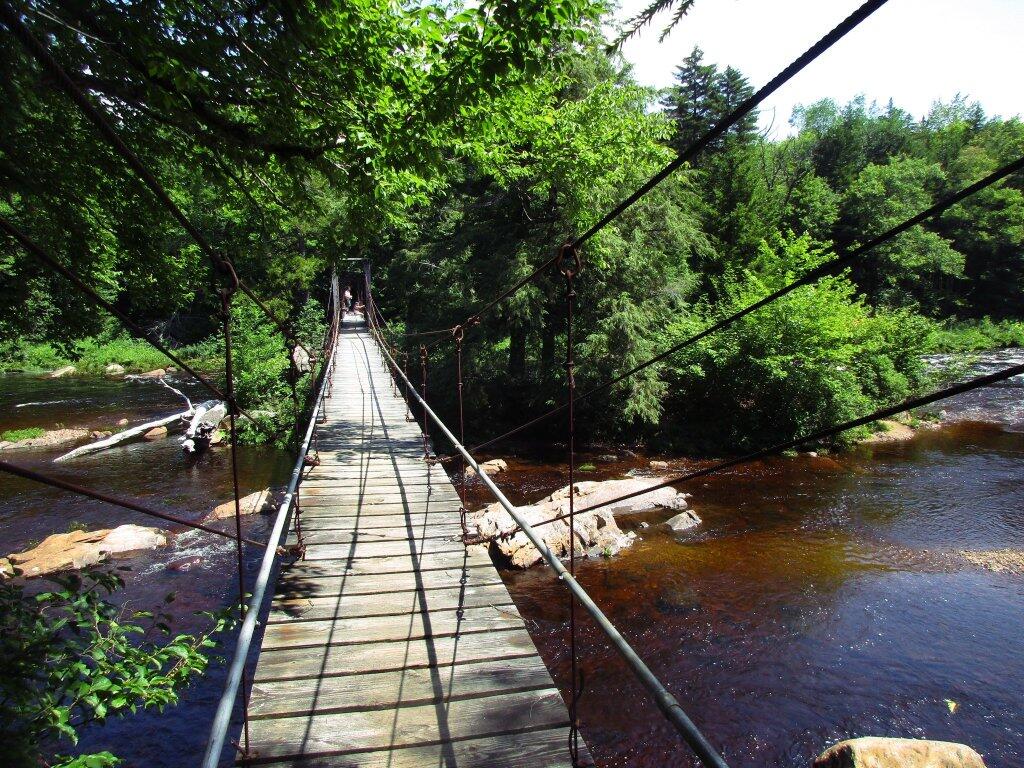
x,y
392,644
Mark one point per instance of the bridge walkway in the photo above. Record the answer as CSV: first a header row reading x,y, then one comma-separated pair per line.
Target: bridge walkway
x,y
391,643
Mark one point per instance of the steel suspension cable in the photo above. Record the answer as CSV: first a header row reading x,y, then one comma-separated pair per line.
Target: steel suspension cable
x,y
906,405
811,276
54,482
41,53
846,26
569,266
458,334
227,293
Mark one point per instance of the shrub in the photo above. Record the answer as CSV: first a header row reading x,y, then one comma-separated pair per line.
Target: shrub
x,y
814,358
69,658
975,336
32,357
134,354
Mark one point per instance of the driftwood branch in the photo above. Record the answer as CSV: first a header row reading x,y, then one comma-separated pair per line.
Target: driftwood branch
x,y
123,437
199,417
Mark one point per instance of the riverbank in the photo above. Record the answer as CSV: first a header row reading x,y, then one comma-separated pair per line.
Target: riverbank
x,y
92,356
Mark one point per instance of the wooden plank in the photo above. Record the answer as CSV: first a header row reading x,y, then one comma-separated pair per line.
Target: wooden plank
x,y
347,732
388,480
399,564
359,550
324,517
534,749
304,608
327,661
389,631
398,688
328,508
342,531
324,580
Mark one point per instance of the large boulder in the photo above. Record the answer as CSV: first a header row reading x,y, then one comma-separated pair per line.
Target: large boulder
x,y
60,373
878,752
80,549
114,369
596,532
263,502
590,492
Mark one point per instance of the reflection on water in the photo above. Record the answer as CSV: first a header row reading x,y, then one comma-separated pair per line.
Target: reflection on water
x,y
820,599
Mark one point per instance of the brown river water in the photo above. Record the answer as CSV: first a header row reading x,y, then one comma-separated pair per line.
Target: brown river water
x,y
820,598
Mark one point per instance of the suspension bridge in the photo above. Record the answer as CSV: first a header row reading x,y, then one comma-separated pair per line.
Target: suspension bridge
x,y
375,632
390,642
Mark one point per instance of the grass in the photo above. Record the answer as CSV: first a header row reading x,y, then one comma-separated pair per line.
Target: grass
x,y
14,435
976,335
92,356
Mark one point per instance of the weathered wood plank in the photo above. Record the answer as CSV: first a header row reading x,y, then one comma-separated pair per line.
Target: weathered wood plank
x,y
304,608
347,732
400,688
388,629
417,521
327,508
416,550
325,580
534,749
330,660
400,564
342,531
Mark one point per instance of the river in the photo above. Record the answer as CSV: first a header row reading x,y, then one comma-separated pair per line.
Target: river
x,y
821,597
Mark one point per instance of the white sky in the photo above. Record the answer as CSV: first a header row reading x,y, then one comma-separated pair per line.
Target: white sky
x,y
915,51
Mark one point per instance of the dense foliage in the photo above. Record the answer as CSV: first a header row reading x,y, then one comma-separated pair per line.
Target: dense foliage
x,y
70,657
456,148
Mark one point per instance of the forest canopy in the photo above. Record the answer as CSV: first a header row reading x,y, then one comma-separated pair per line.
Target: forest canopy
x,y
456,148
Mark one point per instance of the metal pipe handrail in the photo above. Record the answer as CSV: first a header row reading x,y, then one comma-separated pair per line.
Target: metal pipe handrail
x,y
666,702
226,705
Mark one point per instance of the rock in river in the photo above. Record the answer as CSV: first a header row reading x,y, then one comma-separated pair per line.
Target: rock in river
x,y
492,467
114,369
684,521
156,433
877,752
263,502
596,532
80,549
67,370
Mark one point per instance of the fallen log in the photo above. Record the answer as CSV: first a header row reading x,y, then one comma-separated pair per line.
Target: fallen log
x,y
142,429
123,437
